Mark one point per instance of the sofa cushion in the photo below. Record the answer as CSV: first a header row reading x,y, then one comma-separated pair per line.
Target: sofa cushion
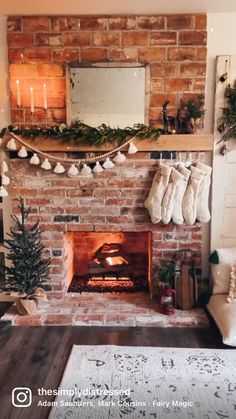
x,y
221,271
224,315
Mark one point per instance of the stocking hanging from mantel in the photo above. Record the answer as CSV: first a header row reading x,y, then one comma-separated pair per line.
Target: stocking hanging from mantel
x,y
203,213
177,214
191,195
180,194
154,201
168,200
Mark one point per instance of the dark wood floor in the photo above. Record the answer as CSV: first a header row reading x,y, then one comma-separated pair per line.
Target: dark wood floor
x,y
35,357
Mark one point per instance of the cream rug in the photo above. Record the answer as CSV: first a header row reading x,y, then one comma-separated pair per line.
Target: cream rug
x,y
103,382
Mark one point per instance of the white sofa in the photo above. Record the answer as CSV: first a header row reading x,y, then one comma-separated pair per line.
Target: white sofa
x,y
223,313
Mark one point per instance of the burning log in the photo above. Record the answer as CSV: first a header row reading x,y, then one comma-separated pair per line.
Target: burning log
x,y
111,255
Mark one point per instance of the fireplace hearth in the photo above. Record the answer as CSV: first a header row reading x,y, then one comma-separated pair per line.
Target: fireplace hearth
x,y
109,262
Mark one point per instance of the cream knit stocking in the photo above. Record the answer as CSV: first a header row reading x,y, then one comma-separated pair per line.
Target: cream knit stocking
x,y
203,213
177,215
191,196
168,201
154,201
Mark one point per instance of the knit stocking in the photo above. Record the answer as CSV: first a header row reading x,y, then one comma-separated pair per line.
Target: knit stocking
x,y
191,196
168,201
158,188
203,213
177,215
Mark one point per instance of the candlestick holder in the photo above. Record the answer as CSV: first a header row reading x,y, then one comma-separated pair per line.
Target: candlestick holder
x,y
46,116
19,115
32,118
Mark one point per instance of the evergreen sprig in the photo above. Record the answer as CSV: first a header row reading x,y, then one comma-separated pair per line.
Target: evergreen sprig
x,y
194,107
84,134
226,124
28,267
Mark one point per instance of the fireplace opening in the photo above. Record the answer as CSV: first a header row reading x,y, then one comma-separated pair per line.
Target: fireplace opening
x,y
108,262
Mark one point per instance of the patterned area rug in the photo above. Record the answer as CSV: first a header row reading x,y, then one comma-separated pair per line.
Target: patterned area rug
x,y
102,382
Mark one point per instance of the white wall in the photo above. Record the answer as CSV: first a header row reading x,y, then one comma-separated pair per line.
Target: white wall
x,y
221,29
221,41
44,7
4,88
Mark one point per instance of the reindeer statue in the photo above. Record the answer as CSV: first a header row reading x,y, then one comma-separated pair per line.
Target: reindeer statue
x,y
168,121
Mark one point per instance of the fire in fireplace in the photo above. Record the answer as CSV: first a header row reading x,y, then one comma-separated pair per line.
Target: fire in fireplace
x,y
109,261
110,267
111,255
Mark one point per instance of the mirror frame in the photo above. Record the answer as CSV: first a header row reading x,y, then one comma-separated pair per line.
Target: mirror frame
x,y
76,64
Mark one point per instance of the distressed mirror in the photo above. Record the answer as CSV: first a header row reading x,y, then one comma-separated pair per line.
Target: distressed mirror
x,y
111,94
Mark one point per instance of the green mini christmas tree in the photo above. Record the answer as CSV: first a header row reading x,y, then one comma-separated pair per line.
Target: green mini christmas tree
x,y
29,268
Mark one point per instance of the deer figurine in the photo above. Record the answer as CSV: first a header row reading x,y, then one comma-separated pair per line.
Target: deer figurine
x,y
168,121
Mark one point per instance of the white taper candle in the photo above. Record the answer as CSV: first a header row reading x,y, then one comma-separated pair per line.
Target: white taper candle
x,y
45,105
32,99
18,98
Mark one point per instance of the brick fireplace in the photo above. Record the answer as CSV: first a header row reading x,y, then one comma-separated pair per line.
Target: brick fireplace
x,y
174,46
115,205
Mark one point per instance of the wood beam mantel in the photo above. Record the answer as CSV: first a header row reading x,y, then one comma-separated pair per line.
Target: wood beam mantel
x,y
192,142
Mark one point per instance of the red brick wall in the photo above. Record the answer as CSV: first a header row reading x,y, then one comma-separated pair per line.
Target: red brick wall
x,y
40,47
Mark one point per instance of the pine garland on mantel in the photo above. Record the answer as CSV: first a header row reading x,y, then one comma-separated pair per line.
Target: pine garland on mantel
x,y
81,134
84,134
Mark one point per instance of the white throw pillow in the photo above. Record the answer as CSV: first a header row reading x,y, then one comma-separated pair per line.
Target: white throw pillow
x,y
224,315
221,271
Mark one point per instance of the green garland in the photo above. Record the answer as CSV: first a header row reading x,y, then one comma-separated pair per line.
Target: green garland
x,y
84,134
226,124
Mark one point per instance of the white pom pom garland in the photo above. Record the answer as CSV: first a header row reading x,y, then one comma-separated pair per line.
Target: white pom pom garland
x,y
97,168
5,180
5,167
73,171
86,170
119,158
132,148
59,168
11,145
34,159
108,164
3,192
46,165
22,153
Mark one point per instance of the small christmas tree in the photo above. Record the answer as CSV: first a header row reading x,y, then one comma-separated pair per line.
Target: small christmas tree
x,y
28,267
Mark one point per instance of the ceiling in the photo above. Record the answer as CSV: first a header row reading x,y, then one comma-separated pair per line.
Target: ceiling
x,y
57,7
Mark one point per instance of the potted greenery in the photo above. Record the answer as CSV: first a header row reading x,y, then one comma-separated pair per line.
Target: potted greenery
x,y
28,268
194,111
166,273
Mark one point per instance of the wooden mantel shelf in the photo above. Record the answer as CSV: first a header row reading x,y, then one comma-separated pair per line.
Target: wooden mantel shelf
x,y
198,142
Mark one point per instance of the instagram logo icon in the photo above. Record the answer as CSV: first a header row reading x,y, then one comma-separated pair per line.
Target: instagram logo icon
x,y
21,397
